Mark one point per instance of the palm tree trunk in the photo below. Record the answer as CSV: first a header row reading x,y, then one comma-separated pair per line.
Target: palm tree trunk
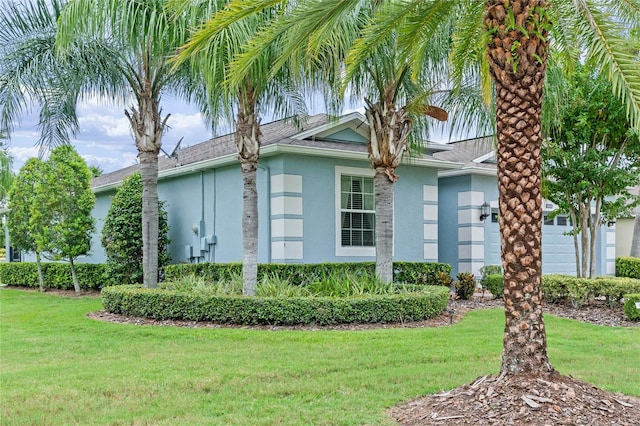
x,y
383,187
388,133
39,266
74,276
249,229
247,139
149,175
147,126
519,100
635,241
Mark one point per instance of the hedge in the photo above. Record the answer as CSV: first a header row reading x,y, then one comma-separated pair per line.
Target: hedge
x,y
579,291
305,273
628,267
166,304
55,275
630,309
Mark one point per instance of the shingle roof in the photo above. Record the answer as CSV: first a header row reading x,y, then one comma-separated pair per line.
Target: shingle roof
x,y
468,150
279,131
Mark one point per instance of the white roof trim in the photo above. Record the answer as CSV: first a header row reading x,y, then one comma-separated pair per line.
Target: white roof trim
x,y
488,156
481,171
276,148
354,116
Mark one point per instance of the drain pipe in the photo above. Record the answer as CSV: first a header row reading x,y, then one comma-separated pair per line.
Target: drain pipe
x,y
212,247
268,172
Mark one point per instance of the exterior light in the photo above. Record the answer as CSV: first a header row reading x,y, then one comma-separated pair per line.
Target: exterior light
x,y
485,211
451,313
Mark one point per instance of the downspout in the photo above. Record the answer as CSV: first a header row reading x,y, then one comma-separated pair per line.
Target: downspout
x,y
268,172
212,247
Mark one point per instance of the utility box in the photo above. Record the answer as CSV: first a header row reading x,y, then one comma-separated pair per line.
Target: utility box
x,y
203,244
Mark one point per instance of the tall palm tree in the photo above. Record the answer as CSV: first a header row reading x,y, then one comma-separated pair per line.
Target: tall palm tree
x,y
513,41
211,52
508,44
320,36
140,36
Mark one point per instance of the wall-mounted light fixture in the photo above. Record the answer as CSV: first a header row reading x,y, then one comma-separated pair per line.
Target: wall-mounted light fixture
x,y
611,223
485,211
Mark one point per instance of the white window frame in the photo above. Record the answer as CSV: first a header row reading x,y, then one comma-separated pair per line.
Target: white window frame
x,y
340,249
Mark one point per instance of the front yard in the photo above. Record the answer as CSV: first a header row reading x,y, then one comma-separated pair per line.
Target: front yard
x,y
60,367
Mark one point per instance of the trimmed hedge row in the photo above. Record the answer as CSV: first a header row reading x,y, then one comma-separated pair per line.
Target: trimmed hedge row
x,y
628,267
165,304
578,291
305,273
55,275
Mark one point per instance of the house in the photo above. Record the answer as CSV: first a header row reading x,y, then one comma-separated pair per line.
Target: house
x,y
476,238
305,178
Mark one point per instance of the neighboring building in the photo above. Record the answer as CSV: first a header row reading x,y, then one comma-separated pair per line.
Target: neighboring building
x,y
468,242
315,197
624,230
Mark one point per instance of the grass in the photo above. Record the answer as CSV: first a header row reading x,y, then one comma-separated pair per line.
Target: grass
x,y
59,367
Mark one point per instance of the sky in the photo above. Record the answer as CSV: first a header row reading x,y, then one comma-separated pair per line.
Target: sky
x,y
105,138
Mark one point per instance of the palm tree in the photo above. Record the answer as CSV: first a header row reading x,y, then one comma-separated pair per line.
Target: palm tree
x,y
320,35
31,73
510,41
211,52
140,37
516,41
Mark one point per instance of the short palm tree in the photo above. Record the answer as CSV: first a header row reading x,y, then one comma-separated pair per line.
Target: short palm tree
x,y
211,52
140,37
319,37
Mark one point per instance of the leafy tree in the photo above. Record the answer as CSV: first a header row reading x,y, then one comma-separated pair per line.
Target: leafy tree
x,y
211,53
28,214
122,234
593,156
95,171
69,201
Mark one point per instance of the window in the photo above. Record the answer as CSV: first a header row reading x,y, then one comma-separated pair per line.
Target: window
x,y
494,217
355,212
562,220
548,220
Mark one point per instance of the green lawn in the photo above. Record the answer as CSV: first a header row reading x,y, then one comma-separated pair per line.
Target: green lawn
x,y
59,367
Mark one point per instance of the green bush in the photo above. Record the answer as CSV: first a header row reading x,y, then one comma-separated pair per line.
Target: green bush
x,y
630,309
122,234
55,275
628,267
307,273
349,285
167,304
579,291
495,284
465,285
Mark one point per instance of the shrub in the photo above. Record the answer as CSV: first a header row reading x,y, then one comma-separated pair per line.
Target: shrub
x,y
466,285
630,309
349,285
307,273
444,279
167,304
487,270
200,285
55,275
273,286
495,284
578,291
122,234
628,267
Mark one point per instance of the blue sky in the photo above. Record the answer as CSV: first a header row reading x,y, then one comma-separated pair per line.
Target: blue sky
x,y
105,138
